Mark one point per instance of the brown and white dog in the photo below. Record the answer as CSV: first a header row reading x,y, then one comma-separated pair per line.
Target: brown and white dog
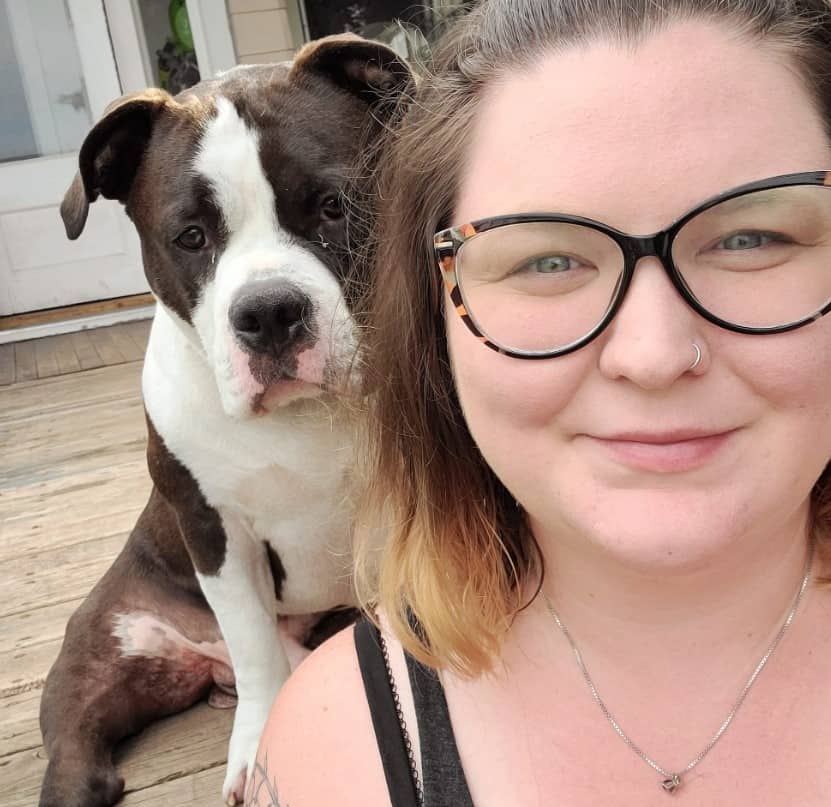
x,y
235,187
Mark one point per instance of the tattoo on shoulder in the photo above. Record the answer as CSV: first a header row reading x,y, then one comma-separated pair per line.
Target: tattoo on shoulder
x,y
262,787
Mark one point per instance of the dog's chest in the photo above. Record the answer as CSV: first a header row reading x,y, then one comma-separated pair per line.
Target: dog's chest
x,y
276,500
283,477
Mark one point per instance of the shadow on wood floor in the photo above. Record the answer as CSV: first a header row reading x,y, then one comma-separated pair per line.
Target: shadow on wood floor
x,y
72,483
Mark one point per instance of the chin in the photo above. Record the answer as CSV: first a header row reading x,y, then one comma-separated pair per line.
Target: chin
x,y
281,393
658,530
246,398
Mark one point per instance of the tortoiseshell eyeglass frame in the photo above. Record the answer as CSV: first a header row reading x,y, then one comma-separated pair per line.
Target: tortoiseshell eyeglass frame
x,y
634,247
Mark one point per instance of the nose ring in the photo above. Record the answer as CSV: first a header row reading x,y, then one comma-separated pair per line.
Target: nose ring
x,y
697,358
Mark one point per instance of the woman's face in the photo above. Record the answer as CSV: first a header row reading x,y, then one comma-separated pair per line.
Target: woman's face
x,y
592,443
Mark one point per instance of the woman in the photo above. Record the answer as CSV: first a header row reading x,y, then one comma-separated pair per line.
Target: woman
x,y
646,419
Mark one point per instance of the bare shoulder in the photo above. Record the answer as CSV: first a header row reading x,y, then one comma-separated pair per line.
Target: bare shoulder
x,y
318,746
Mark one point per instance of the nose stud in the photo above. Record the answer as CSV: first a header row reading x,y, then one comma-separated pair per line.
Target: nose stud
x,y
697,358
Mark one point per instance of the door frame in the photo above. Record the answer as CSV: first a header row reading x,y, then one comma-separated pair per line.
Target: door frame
x,y
90,32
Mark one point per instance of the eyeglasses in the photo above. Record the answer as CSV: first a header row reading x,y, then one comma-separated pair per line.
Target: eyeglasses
x,y
755,260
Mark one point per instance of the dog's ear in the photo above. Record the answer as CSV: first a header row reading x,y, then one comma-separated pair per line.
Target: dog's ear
x,y
370,70
111,154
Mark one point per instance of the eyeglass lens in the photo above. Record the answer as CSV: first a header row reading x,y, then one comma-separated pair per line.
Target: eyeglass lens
x,y
759,260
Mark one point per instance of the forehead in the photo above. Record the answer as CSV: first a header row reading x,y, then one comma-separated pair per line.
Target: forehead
x,y
296,131
637,136
303,115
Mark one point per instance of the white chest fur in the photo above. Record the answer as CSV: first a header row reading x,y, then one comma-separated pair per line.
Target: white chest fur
x,y
283,478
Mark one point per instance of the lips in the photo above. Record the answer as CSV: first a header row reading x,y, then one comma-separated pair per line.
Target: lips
x,y
671,451
664,437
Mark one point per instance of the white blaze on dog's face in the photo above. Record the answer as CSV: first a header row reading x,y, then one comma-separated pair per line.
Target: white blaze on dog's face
x,y
273,320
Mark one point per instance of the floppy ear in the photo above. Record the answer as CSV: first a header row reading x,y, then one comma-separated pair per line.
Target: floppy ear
x,y
368,69
111,154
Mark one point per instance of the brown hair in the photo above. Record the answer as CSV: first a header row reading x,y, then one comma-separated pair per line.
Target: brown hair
x,y
457,554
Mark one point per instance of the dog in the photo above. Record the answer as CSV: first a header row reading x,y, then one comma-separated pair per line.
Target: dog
x,y
236,188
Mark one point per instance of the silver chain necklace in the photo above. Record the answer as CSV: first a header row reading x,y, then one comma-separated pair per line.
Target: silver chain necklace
x,y
672,781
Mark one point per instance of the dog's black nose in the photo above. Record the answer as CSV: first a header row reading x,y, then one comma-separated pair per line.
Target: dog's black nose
x,y
269,318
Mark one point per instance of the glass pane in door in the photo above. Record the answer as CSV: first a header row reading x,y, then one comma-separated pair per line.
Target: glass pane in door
x,y
43,101
168,51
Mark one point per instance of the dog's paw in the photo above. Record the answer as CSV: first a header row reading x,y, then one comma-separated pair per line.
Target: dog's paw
x,y
233,792
242,753
71,785
220,699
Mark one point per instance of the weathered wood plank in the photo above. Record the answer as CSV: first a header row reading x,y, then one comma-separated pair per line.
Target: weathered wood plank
x,y
127,413
27,667
61,468
6,364
125,343
78,431
167,753
55,575
87,355
179,745
19,729
51,534
50,396
30,644
139,332
73,508
55,448
45,358
203,788
106,346
25,366
39,626
103,483
65,354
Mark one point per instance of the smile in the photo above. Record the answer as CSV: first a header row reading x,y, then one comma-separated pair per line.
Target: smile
x,y
668,452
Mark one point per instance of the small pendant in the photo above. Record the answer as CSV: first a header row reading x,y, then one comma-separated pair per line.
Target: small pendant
x,y
672,784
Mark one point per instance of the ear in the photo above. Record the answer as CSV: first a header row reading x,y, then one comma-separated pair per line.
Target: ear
x,y
370,70
111,154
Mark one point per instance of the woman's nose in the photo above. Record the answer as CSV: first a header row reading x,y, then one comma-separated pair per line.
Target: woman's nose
x,y
655,337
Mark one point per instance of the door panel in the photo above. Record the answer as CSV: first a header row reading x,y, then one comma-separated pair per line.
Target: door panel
x,y
55,78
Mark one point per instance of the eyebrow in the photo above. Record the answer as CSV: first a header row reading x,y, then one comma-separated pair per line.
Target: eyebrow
x,y
753,199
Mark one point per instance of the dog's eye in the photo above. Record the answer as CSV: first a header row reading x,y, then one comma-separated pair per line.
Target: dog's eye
x,y
191,239
331,207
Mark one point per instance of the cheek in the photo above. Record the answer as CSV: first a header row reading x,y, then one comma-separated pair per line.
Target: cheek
x,y
506,401
791,371
792,374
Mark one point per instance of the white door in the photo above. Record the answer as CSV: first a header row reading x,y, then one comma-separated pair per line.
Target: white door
x,y
57,73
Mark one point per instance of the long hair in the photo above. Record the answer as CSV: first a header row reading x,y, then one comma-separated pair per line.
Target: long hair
x,y
456,560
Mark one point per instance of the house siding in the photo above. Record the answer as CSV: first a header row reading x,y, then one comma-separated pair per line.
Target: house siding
x,y
261,30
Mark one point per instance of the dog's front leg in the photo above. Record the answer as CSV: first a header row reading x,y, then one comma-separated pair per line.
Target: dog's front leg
x,y
234,572
243,598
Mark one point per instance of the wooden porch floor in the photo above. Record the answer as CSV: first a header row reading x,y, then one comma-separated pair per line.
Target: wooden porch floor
x,y
73,352
72,482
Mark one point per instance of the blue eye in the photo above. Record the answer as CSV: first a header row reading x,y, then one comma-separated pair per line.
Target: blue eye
x,y
549,264
749,239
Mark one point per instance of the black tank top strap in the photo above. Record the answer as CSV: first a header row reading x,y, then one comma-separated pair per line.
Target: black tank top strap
x,y
444,783
388,730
